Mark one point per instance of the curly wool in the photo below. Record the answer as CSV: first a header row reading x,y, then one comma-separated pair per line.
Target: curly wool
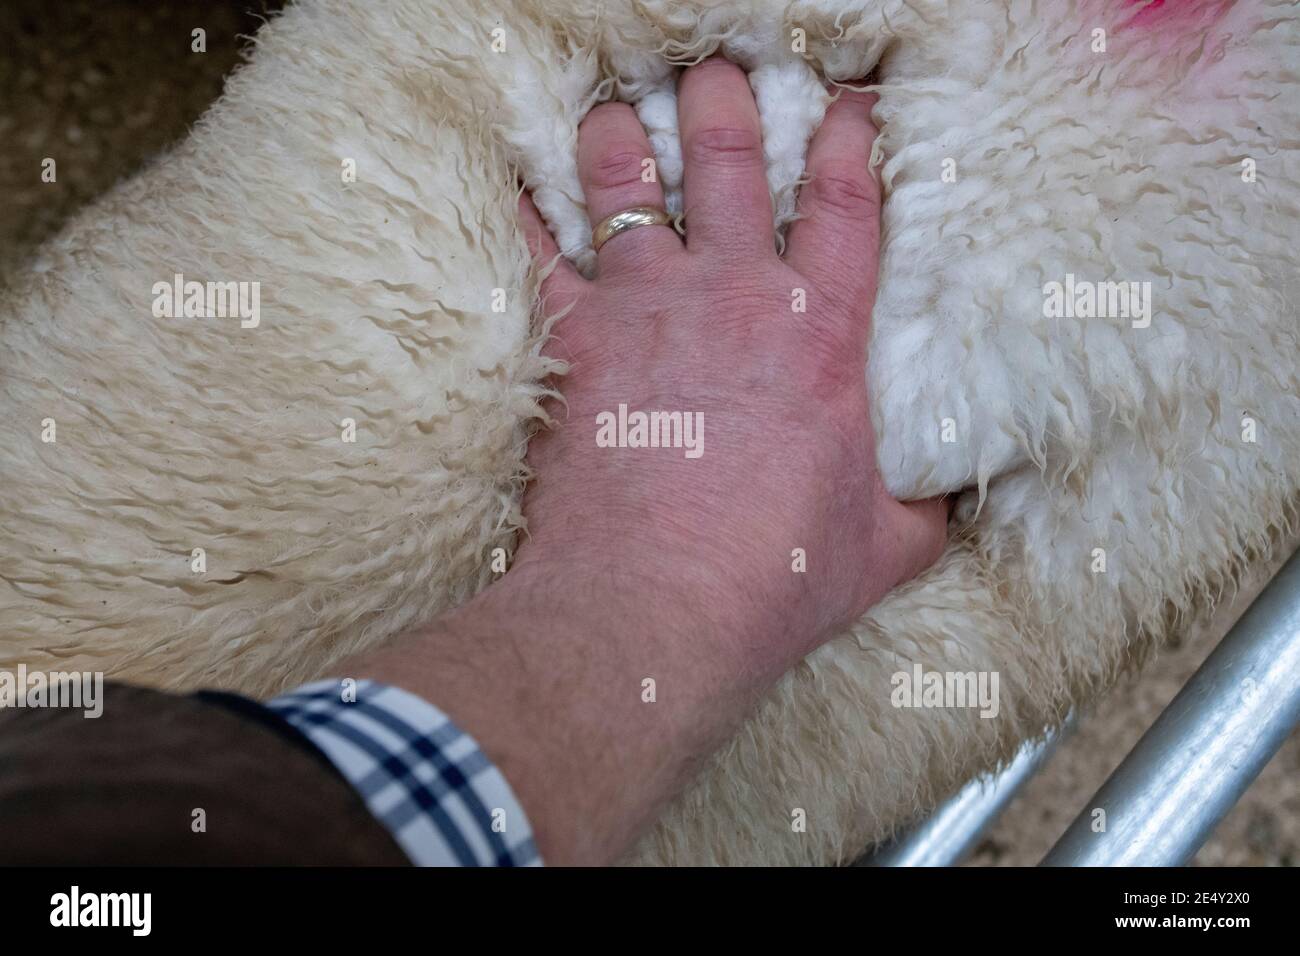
x,y
404,302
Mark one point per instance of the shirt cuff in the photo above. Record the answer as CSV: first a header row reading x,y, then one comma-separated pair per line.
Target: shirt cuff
x,y
423,778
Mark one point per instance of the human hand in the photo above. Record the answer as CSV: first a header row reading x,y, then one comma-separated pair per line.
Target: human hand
x,y
766,352
646,566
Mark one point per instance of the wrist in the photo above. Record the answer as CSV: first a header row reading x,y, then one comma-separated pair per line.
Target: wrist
x,y
676,600
640,681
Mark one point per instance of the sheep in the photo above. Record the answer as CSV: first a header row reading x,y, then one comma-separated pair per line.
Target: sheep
x,y
194,502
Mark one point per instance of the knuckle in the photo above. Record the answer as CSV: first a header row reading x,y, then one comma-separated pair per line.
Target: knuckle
x,y
725,146
620,167
846,190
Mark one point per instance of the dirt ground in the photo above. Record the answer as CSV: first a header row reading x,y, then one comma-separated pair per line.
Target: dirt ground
x,y
102,86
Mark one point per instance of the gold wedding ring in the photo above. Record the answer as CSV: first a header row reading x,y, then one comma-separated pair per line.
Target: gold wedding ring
x,y
611,226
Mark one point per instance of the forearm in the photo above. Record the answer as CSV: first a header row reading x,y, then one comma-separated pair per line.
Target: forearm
x,y
549,671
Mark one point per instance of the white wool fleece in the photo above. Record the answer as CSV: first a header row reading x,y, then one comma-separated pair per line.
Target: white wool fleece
x,y
1115,471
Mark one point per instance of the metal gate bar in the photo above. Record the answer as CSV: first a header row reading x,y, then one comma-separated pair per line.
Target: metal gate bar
x,y
947,836
1201,754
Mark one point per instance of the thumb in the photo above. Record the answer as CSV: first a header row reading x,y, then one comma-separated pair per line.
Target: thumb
x,y
922,526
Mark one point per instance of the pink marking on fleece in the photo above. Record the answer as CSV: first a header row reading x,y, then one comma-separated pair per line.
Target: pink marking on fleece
x,y
1180,16
1190,53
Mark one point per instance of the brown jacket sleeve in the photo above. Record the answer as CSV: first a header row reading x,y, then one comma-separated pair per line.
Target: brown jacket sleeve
x,y
123,788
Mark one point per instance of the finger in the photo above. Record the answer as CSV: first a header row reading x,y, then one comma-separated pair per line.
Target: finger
x,y
616,169
836,242
561,283
727,202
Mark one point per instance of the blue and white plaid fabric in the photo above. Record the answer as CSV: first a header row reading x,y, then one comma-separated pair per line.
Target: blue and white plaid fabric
x,y
422,777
